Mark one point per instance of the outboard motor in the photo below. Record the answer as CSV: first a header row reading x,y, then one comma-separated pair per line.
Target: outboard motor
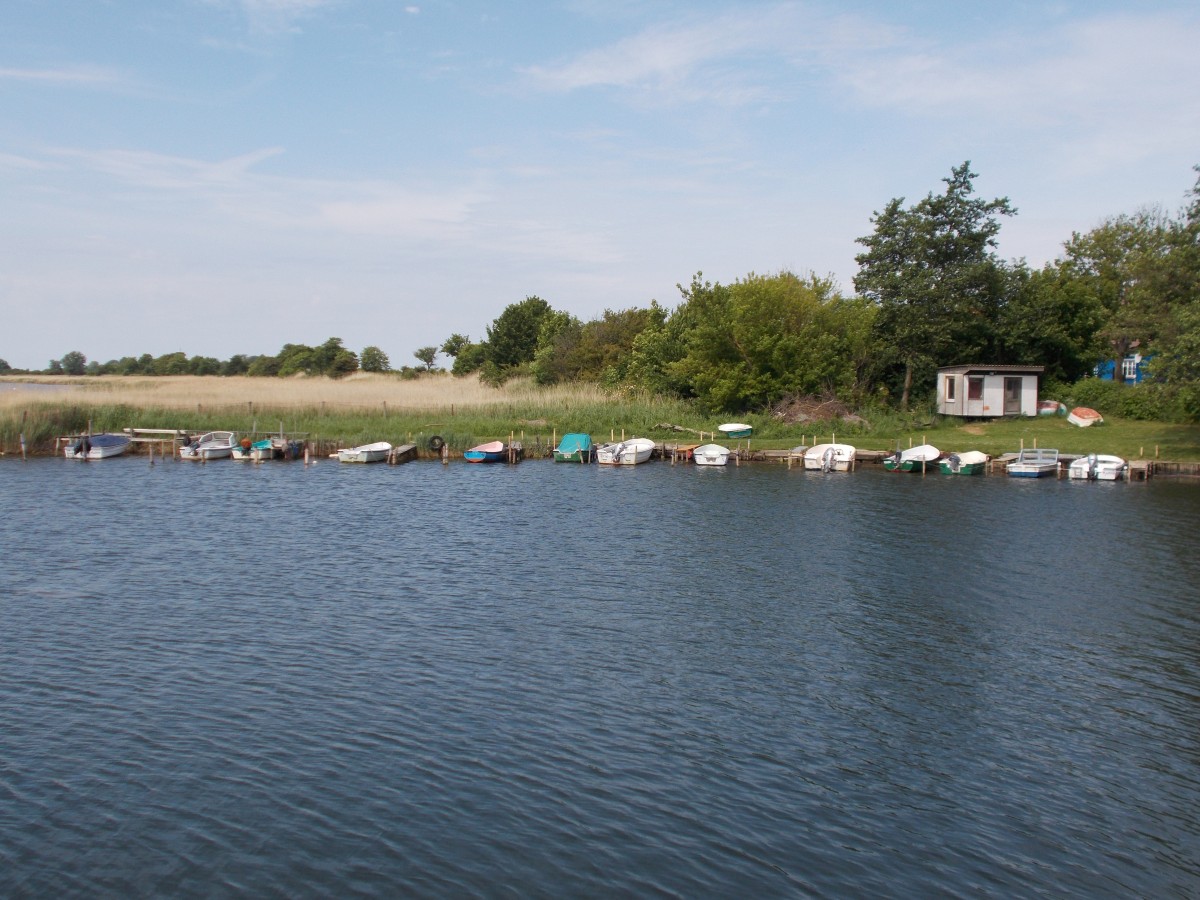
x,y
954,462
828,460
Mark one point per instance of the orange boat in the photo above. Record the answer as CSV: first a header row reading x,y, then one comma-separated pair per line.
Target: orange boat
x,y
1083,417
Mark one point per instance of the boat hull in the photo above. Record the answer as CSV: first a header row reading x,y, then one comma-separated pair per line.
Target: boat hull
x,y
367,453
1098,467
710,455
625,453
829,458
970,463
1084,417
735,430
486,453
214,445
97,446
916,459
575,448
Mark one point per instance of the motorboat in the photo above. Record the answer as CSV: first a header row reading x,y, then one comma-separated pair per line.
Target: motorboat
x,y
915,459
710,455
1098,467
96,446
213,445
969,462
829,457
630,452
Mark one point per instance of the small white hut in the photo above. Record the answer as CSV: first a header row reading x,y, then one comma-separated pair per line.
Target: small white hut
x,y
988,391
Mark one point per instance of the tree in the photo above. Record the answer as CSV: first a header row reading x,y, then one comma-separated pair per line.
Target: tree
x,y
1119,262
1051,319
372,359
470,358
74,363
455,344
334,360
427,355
172,364
238,364
932,271
512,338
750,343
204,365
5,368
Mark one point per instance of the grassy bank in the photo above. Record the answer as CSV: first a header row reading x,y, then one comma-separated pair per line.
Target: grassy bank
x,y
464,412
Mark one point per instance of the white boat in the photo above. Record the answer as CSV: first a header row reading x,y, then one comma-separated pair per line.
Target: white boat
x,y
214,445
829,457
1034,463
1084,417
969,462
1098,467
922,458
625,453
96,446
735,430
367,453
710,455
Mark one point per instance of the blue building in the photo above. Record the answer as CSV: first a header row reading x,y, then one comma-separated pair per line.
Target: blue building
x,y
1133,365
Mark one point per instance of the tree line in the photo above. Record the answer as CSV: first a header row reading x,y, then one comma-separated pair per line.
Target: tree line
x,y
930,291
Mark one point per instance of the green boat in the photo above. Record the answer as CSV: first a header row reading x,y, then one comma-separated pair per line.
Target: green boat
x,y
574,448
971,462
916,459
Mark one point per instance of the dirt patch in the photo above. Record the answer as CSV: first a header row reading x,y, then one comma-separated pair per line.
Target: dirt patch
x,y
973,429
796,409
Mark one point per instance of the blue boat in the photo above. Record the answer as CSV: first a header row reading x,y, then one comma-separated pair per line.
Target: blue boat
x,y
574,448
490,452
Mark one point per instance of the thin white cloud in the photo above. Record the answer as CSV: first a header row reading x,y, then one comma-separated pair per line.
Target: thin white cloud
x,y
727,59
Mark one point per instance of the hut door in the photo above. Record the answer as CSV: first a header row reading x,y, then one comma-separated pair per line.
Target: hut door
x,y
1012,396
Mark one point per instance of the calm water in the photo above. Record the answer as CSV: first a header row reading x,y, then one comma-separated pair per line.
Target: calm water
x,y
556,680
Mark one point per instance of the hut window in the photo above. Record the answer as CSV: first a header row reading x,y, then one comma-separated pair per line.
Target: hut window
x,y
974,388
950,388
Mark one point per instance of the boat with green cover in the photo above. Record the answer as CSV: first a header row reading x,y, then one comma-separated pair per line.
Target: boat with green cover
x,y
574,447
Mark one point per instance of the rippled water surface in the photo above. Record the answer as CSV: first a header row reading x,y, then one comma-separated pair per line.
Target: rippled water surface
x,y
559,680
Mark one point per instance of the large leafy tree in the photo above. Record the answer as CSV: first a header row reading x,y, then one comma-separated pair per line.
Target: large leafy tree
x,y
932,271
512,339
744,345
1177,350
597,350
1122,262
372,359
1050,319
73,363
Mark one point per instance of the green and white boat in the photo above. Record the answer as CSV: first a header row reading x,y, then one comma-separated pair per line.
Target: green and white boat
x,y
574,448
970,462
922,458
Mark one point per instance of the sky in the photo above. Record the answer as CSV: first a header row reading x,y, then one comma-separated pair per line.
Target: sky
x,y
224,177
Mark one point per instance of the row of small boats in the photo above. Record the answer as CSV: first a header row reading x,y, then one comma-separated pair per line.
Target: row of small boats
x,y
1034,462
578,447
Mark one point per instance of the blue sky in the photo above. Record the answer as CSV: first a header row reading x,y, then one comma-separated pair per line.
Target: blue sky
x,y
227,176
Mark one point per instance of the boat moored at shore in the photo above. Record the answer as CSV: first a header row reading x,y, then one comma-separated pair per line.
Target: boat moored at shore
x,y
213,445
630,452
1034,463
96,446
